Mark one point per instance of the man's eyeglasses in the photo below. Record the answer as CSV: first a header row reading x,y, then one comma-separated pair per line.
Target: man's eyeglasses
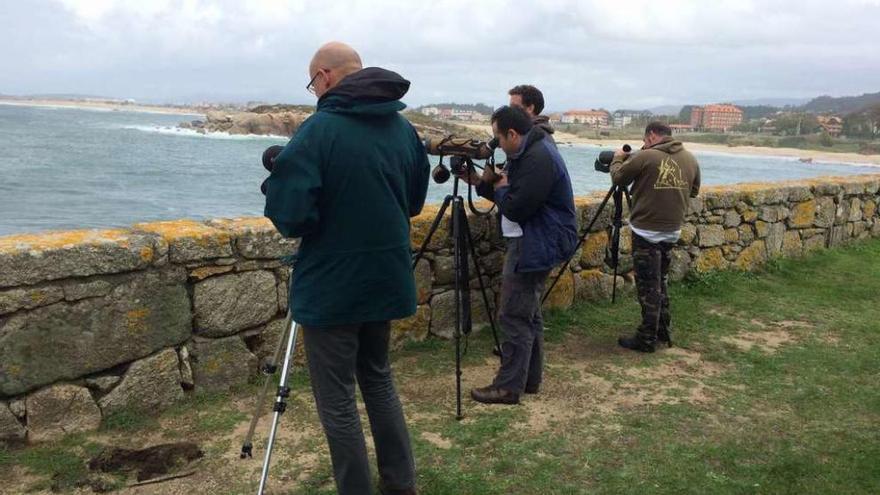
x,y
310,87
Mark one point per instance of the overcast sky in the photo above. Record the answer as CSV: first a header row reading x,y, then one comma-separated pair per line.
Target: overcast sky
x,y
581,53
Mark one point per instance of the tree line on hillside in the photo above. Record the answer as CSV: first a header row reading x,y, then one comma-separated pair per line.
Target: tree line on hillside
x,y
842,105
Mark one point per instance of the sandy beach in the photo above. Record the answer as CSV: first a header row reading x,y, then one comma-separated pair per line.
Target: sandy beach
x,y
109,106
817,156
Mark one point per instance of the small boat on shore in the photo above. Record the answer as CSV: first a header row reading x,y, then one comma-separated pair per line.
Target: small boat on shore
x,y
806,160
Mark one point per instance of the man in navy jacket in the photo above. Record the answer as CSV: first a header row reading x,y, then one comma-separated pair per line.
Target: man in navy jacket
x,y
535,200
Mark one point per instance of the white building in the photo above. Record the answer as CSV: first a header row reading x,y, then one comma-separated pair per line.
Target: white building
x,y
598,118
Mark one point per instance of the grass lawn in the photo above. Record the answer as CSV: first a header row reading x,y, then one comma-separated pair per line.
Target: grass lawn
x,y
772,387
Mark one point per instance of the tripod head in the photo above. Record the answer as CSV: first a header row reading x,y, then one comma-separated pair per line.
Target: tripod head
x,y
460,166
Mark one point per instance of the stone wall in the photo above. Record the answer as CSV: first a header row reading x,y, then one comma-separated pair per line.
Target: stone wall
x,y
98,321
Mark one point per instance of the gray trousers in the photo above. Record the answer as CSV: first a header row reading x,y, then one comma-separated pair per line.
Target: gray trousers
x,y
337,356
522,351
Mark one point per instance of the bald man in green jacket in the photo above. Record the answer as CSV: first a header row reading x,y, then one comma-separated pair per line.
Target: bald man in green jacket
x,y
347,183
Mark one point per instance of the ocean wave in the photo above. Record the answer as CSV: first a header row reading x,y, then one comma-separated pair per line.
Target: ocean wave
x,y
178,131
850,164
99,109
50,106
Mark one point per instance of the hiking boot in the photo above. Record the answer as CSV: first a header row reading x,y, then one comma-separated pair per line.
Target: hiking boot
x,y
664,338
635,343
532,389
494,395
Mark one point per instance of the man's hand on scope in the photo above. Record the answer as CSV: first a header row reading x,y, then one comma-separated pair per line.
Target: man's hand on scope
x,y
620,155
472,177
489,175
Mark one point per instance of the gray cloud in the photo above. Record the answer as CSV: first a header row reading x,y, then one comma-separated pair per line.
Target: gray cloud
x,y
627,53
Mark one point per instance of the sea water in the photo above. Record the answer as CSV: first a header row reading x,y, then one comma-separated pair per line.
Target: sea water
x,y
69,168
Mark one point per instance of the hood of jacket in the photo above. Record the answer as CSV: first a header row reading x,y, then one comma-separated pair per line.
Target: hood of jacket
x,y
369,91
668,145
534,135
543,122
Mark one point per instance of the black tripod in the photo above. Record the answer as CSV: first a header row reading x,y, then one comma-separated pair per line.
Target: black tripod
x,y
617,193
463,248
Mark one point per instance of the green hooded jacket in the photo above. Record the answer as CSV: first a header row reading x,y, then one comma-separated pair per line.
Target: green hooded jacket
x,y
347,183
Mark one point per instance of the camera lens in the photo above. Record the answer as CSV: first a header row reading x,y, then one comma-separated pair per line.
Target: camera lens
x,y
269,156
606,157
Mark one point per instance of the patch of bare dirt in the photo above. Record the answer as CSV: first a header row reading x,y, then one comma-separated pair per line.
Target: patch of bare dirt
x,y
577,388
770,337
768,342
438,389
678,377
17,479
436,440
418,416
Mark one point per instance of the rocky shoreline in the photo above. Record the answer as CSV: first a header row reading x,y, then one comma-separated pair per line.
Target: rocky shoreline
x,y
283,123
284,120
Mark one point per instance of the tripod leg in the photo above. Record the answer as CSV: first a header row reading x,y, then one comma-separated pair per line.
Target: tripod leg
x,y
617,223
579,244
269,369
280,403
482,286
614,283
434,225
457,210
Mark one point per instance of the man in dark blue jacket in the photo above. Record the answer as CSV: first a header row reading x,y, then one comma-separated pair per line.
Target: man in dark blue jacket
x,y
536,204
347,183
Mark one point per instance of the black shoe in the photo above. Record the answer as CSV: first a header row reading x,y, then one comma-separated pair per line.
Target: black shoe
x,y
493,395
636,344
532,389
